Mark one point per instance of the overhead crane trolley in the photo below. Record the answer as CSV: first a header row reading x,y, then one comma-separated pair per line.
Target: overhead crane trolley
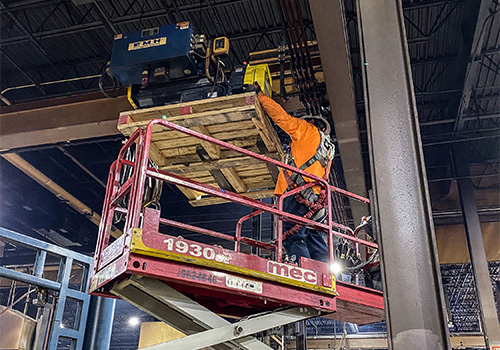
x,y
188,284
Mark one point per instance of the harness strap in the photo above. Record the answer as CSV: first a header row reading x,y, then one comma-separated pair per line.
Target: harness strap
x,y
298,181
316,208
316,204
297,178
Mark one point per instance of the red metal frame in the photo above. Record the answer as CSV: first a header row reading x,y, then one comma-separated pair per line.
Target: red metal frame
x,y
114,261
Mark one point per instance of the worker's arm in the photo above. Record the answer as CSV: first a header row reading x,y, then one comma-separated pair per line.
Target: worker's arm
x,y
294,127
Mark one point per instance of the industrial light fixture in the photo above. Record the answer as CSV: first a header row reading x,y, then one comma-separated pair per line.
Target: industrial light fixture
x,y
336,268
133,321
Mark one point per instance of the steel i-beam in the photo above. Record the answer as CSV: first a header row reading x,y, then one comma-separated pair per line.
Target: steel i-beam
x,y
414,301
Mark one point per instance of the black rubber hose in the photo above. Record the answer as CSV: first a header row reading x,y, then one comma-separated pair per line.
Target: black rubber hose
x,y
101,84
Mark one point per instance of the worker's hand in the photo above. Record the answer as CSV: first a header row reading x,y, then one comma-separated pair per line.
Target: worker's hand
x,y
253,87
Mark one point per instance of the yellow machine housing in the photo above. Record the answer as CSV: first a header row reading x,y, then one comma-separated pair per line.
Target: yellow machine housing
x,y
261,74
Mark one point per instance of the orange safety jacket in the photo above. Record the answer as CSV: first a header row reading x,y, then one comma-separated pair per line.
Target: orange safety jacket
x,y
305,141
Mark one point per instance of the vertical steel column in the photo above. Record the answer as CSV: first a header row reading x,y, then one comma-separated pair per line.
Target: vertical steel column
x,y
477,253
331,32
301,337
99,323
414,301
497,298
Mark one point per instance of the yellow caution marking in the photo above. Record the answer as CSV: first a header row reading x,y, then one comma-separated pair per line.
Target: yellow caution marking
x,y
138,247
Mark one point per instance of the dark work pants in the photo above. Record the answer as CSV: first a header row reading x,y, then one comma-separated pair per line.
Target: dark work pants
x,y
306,242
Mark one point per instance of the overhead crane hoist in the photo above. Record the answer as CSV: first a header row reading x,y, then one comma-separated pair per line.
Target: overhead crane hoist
x,y
189,284
172,63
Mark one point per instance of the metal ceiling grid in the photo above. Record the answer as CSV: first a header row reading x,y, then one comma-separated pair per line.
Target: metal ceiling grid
x,y
73,36
458,282
480,119
79,39
433,29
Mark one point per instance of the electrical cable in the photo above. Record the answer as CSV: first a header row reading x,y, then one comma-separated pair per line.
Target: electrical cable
x,y
207,63
360,266
101,84
215,80
199,55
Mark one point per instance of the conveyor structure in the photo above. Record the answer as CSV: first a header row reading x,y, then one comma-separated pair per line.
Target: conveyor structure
x,y
190,285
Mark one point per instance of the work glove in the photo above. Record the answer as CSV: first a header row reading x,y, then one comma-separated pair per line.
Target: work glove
x,y
253,87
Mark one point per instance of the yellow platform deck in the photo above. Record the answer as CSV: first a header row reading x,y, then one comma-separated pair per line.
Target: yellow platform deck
x,y
236,119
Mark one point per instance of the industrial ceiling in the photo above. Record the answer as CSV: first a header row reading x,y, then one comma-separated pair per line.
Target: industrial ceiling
x,y
59,48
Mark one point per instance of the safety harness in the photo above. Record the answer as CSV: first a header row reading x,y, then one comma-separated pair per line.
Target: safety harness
x,y
316,203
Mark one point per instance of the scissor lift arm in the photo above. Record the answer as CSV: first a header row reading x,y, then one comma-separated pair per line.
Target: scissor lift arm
x,y
203,327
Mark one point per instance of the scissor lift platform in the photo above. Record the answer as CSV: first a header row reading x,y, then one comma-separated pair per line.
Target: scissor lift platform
x,y
232,283
154,270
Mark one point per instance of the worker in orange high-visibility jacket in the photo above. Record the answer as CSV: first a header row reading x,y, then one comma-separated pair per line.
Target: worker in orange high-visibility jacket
x,y
308,136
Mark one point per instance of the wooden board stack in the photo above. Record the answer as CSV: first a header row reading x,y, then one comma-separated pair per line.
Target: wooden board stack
x,y
236,119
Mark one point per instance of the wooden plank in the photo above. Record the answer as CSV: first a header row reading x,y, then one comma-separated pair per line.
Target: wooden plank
x,y
214,200
260,186
220,164
234,154
129,129
192,194
266,130
235,138
240,125
164,141
258,179
238,120
235,134
235,181
197,175
186,159
265,137
213,151
196,107
156,156
164,146
201,176
229,115
176,152
257,170
194,158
